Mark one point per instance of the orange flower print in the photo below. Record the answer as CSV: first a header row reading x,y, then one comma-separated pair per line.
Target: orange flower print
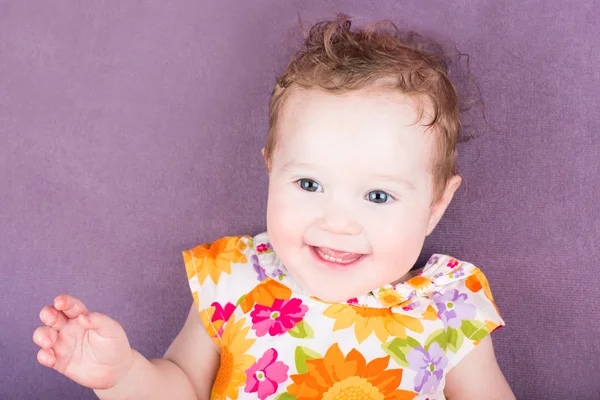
x,y
339,377
420,283
234,361
381,321
389,297
215,258
477,281
265,294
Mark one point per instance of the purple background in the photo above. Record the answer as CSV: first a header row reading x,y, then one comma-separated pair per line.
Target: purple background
x,y
131,130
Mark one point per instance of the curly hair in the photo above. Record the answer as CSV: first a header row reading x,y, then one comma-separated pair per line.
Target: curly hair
x,y
337,59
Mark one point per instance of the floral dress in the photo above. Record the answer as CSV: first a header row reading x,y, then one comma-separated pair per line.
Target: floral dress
x,y
278,342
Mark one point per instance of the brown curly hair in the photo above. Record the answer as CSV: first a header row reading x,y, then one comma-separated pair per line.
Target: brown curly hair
x,y
337,59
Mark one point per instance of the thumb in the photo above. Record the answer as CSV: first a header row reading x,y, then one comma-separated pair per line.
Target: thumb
x,y
102,324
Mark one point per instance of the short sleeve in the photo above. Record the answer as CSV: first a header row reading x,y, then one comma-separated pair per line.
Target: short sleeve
x,y
219,273
472,302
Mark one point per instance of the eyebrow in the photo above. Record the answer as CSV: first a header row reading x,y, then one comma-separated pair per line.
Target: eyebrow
x,y
396,179
294,164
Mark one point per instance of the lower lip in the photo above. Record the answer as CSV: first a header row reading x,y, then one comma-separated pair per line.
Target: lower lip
x,y
333,265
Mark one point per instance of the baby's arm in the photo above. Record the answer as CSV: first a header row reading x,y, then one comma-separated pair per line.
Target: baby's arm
x,y
186,371
92,349
196,354
478,376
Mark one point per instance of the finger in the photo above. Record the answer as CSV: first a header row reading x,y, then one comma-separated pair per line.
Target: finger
x,y
102,324
50,316
45,337
69,305
46,358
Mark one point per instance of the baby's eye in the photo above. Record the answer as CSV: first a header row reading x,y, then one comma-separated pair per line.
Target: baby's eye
x,y
379,196
309,185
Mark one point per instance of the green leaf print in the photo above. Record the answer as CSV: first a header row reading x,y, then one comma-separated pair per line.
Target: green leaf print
x,y
302,355
398,348
237,303
440,337
285,396
479,335
455,339
302,330
474,330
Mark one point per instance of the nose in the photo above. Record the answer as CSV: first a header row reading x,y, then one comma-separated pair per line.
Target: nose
x,y
339,221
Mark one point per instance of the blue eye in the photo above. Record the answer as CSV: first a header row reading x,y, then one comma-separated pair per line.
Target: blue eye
x,y
309,185
379,196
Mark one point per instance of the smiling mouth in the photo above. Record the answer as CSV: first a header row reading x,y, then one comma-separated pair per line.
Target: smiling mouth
x,y
336,256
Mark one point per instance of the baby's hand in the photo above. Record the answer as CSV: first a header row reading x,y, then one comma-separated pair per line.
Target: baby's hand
x,y
89,348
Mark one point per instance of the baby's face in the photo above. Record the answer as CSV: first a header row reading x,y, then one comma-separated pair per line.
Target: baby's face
x,y
350,188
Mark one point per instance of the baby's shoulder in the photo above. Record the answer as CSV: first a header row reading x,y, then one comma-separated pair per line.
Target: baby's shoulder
x,y
459,292
445,273
224,269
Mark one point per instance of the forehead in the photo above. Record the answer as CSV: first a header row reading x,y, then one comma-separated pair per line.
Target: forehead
x,y
357,126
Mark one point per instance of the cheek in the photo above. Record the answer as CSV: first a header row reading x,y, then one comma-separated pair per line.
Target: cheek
x,y
397,232
287,215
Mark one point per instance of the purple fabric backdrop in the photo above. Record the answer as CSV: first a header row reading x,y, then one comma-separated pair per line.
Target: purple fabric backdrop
x,y
130,131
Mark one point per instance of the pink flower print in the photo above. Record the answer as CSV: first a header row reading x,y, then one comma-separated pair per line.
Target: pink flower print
x,y
430,366
282,316
353,301
221,315
452,263
263,247
265,375
453,308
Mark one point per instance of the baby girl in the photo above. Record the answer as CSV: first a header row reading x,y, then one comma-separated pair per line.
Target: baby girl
x,y
361,156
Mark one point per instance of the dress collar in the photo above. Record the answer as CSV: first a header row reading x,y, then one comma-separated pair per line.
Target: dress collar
x,y
440,271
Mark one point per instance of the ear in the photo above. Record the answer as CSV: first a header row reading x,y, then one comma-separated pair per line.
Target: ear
x,y
439,208
262,151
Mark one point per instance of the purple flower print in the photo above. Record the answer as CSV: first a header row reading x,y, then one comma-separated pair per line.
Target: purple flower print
x,y
453,274
452,307
433,260
264,376
259,270
458,273
414,303
277,273
430,366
